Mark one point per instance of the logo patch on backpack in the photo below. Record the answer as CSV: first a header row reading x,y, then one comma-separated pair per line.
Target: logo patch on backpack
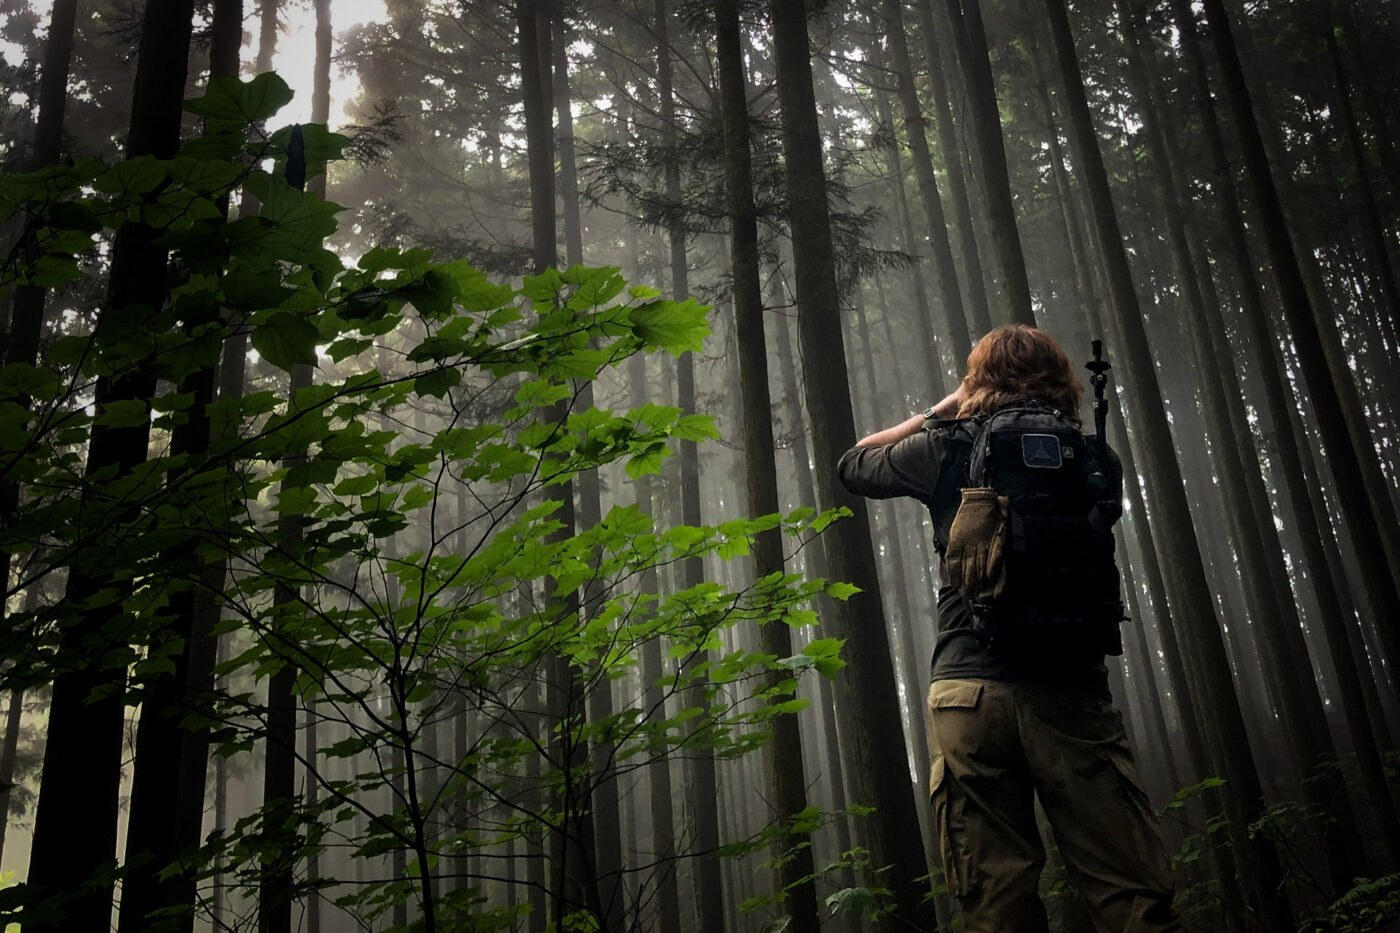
x,y
1041,451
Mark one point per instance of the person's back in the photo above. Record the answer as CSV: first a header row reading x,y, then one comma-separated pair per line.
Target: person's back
x,y
1022,506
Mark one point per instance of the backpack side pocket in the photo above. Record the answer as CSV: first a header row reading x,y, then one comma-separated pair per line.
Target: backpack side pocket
x,y
976,556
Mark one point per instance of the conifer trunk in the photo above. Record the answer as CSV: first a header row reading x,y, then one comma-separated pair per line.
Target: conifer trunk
x,y
974,284
1346,436
1255,536
1221,722
923,314
944,269
83,757
877,754
964,21
700,763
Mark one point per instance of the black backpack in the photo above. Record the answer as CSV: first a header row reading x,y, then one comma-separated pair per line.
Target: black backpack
x,y
1031,546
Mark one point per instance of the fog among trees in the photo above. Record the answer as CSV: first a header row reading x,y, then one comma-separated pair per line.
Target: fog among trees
x,y
421,513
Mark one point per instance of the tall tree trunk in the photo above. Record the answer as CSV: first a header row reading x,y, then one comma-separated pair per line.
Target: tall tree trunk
x,y
878,756
1255,536
944,269
27,313
974,284
932,374
963,21
703,814
82,758
785,780
656,685
602,826
1346,436
1198,629
13,719
170,767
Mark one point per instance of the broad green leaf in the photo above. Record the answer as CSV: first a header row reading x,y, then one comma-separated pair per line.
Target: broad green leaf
x,y
438,382
285,340
248,289
674,326
647,462
228,98
841,591
123,413
24,379
132,177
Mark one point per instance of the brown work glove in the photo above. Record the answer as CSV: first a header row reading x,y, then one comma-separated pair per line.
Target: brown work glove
x,y
975,558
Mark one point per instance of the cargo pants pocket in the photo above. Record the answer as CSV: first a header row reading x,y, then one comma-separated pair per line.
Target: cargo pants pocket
x,y
949,698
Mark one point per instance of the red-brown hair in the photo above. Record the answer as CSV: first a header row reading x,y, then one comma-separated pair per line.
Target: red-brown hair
x,y
1019,362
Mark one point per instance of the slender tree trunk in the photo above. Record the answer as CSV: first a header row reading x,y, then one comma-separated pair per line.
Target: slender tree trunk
x,y
980,115
82,758
979,316
1346,436
944,269
13,719
703,814
785,779
27,312
1222,725
923,323
171,762
878,756
1256,541
602,827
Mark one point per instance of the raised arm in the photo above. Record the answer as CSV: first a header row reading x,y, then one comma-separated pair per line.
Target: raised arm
x,y
948,408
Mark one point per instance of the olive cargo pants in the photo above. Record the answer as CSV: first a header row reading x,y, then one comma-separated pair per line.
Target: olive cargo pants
x,y
997,745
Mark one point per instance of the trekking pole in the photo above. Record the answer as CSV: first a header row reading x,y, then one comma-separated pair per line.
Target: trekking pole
x,y
1099,368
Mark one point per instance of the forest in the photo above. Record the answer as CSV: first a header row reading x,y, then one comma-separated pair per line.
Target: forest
x,y
419,420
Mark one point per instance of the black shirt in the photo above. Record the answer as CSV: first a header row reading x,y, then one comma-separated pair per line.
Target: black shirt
x,y
931,465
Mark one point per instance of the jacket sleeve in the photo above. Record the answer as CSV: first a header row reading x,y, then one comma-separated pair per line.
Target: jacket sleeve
x,y
906,468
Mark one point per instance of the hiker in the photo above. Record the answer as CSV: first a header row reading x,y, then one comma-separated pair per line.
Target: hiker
x,y
1019,708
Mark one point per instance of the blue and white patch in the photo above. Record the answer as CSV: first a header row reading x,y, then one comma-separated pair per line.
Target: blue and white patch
x,y
1041,451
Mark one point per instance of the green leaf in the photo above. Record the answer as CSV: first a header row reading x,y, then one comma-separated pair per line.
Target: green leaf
x,y
228,98
24,379
285,340
674,326
841,591
132,177
347,347
433,294
254,289
438,382
123,413
826,655
357,485
852,901
647,462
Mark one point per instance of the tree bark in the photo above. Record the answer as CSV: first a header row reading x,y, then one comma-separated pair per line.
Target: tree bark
x,y
1222,724
1255,536
932,375
878,757
1346,436
944,269
708,885
979,316
82,758
964,26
